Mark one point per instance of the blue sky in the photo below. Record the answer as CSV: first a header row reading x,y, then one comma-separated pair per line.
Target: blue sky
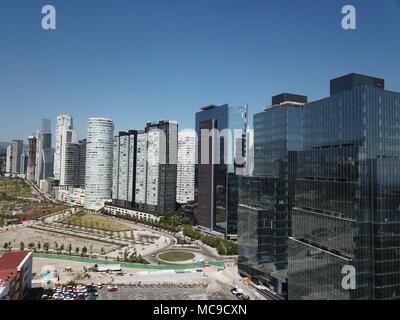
x,y
139,61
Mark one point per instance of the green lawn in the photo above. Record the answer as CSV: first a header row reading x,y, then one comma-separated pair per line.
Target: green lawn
x,y
94,221
15,187
176,256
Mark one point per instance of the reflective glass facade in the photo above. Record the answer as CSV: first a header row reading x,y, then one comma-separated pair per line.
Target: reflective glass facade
x,y
266,198
216,183
347,197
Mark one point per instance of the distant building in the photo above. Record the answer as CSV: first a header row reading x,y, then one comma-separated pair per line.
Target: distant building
x,y
124,169
23,164
141,169
44,153
9,157
99,160
186,167
30,174
17,148
64,124
162,149
82,163
15,275
220,158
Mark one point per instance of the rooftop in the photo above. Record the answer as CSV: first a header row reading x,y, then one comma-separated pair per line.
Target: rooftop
x,y
12,260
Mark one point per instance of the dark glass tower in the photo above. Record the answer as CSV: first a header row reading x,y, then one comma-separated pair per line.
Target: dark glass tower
x,y
217,166
266,199
347,203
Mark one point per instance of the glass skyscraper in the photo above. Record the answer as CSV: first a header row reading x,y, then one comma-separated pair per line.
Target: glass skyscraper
x,y
266,198
347,194
220,157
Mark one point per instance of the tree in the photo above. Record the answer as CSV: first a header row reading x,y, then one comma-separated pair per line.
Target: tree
x,y
31,245
77,250
102,251
46,246
125,256
84,251
5,246
69,249
39,245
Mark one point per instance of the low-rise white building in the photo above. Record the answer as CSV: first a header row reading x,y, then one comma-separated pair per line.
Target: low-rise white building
x,y
133,213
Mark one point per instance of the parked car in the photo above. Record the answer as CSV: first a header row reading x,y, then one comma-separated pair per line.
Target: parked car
x,y
236,291
112,289
242,296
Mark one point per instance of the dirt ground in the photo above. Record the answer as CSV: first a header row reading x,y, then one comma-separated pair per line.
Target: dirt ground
x,y
29,235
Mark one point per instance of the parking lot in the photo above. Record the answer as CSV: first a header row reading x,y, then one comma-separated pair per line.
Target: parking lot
x,y
193,291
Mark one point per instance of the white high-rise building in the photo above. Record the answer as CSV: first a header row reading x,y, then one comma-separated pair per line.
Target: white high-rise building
x,y
99,161
141,168
63,125
69,158
186,166
9,160
153,165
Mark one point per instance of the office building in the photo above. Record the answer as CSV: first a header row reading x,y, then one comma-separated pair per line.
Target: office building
x,y
64,124
44,153
15,275
347,194
266,198
141,169
82,163
99,160
124,169
17,148
162,149
9,160
23,164
186,167
30,174
220,158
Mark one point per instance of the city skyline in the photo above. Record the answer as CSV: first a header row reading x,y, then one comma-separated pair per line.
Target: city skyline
x,y
193,61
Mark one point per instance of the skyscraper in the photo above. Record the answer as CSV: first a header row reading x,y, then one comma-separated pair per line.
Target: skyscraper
x,y
30,175
69,161
220,158
347,196
186,167
23,163
17,148
266,198
162,150
44,153
124,169
99,160
63,125
141,169
82,163
9,160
